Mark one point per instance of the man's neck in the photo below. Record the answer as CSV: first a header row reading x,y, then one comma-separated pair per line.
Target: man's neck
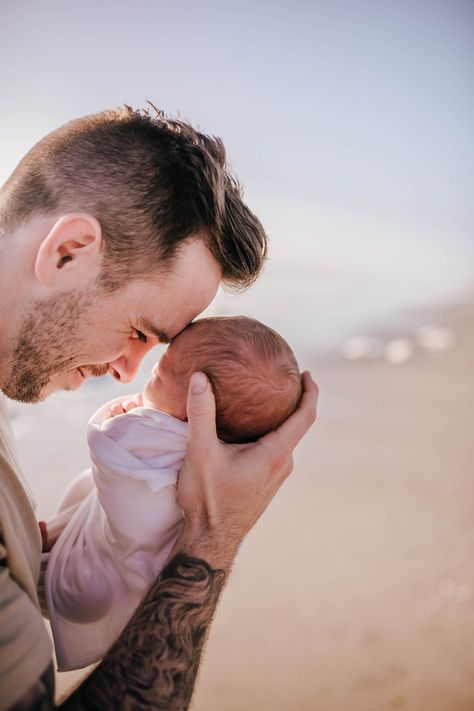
x,y
12,286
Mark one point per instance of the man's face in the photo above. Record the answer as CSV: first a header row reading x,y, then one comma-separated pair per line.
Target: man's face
x,y
75,335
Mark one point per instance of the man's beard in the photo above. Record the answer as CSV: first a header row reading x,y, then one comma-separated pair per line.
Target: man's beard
x,y
49,342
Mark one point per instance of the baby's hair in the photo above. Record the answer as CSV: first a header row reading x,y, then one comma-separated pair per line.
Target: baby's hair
x,y
253,372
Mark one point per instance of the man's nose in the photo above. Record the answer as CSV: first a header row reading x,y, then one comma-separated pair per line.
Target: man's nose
x,y
125,367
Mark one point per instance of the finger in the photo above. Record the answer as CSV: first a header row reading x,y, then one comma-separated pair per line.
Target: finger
x,y
285,470
311,386
45,545
116,409
308,382
289,467
301,420
201,409
287,436
129,404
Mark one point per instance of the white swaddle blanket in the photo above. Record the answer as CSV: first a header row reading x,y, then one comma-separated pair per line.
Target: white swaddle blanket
x,y
118,536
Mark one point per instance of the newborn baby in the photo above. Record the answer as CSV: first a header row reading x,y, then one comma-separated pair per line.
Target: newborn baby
x,y
119,521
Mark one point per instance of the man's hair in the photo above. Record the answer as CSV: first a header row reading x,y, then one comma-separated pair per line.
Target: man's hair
x,y
252,369
151,181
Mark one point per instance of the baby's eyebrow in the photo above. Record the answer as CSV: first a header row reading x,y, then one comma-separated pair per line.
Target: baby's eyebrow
x,y
161,335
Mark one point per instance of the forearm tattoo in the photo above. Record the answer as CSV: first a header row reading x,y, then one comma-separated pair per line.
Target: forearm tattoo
x,y
154,662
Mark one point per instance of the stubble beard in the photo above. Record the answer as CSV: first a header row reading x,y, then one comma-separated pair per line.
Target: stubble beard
x,y
48,342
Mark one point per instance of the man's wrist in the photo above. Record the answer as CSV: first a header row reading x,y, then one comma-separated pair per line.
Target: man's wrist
x,y
217,548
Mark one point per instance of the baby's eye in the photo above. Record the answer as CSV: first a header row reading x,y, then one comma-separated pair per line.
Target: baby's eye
x,y
141,336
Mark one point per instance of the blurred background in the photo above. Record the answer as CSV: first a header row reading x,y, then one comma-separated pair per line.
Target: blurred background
x,y
349,123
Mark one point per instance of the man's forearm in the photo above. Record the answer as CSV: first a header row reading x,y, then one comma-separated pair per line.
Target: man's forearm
x,y
154,662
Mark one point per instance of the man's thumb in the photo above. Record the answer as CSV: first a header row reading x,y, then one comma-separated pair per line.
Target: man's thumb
x,y
201,410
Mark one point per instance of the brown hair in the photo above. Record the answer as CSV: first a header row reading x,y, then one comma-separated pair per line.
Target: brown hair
x,y
252,369
151,181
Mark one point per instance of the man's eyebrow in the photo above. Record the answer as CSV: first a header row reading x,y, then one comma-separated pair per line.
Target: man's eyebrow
x,y
161,335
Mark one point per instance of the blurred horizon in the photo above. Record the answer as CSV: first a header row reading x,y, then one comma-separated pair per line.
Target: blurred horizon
x,y
349,125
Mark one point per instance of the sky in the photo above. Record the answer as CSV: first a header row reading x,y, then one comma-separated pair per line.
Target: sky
x,y
349,123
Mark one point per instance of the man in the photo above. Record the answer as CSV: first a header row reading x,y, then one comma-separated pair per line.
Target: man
x,y
115,232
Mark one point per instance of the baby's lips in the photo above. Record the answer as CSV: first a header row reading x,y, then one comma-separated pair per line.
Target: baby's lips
x,y
154,370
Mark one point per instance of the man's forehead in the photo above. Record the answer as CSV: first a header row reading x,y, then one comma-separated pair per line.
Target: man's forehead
x,y
171,299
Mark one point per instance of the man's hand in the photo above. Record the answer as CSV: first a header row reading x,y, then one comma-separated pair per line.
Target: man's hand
x,y
224,488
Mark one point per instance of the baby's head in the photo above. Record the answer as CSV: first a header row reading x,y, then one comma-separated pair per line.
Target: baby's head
x,y
253,372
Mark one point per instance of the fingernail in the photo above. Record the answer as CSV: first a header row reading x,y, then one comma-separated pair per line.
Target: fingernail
x,y
198,383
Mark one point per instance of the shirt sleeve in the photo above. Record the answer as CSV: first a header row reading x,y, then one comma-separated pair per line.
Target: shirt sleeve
x,y
25,647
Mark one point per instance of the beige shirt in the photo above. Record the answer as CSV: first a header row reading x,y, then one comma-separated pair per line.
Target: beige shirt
x,y
25,647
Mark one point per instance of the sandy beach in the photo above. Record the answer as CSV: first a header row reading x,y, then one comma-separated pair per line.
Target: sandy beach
x,y
355,591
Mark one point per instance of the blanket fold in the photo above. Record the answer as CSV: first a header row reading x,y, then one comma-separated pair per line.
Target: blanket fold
x,y
119,522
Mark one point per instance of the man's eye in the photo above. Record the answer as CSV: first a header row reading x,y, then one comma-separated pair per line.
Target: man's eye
x,y
141,336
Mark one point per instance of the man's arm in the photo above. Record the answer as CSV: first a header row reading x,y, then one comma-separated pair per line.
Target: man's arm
x,y
154,662
223,489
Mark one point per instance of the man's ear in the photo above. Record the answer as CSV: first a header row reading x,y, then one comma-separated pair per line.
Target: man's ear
x,y
70,252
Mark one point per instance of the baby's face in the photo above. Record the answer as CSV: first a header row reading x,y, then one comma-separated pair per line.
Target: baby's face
x,y
164,391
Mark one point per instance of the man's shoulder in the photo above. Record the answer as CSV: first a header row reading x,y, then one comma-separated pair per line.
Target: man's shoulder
x,y
25,647
19,532
40,695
